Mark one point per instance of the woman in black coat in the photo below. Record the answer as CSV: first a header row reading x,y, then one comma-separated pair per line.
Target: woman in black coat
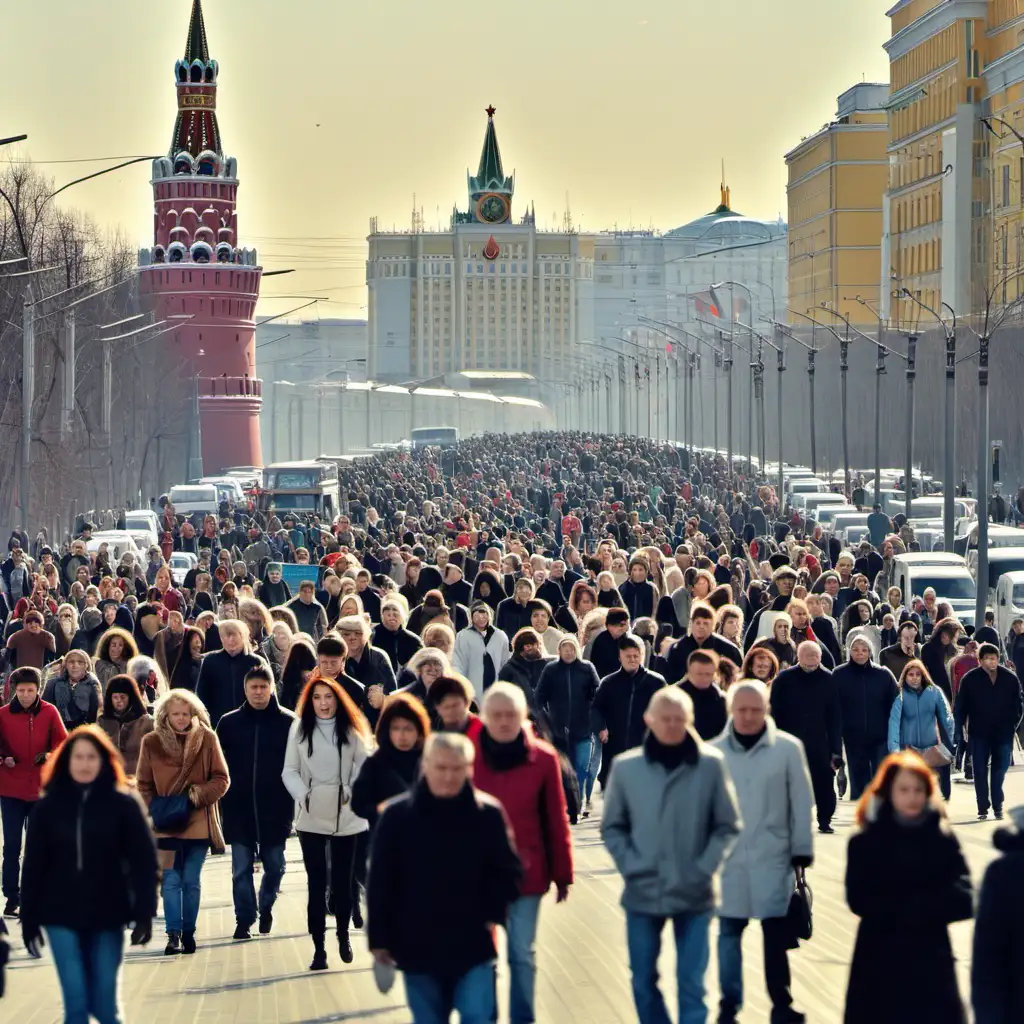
x,y
936,652
90,870
392,769
907,881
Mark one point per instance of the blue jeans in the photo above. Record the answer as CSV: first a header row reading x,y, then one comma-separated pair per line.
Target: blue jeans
x,y
643,936
521,930
593,768
1000,753
432,999
580,754
181,886
88,965
242,889
14,816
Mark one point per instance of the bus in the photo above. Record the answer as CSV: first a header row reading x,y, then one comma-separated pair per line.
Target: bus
x,y
304,488
439,437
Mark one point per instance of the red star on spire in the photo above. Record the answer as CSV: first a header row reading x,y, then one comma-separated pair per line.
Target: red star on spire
x,y
490,111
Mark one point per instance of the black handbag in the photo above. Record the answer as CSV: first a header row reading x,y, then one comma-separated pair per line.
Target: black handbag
x,y
170,814
799,916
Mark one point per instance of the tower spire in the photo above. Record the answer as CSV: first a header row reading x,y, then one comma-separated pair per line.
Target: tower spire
x,y
490,175
196,47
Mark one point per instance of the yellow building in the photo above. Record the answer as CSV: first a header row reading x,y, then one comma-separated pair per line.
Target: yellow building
x,y
837,179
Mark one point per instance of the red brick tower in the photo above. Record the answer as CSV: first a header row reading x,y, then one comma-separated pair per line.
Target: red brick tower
x,y
195,267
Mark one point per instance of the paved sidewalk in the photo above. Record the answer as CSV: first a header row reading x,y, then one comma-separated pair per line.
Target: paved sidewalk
x,y
582,977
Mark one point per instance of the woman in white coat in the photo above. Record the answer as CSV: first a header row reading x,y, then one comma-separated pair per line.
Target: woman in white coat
x,y
326,748
773,785
481,649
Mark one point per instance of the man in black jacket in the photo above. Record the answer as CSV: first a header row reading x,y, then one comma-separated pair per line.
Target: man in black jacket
x,y
514,612
441,935
617,714
526,664
603,650
257,809
988,709
709,708
805,703
391,637
221,682
701,637
866,695
638,593
367,665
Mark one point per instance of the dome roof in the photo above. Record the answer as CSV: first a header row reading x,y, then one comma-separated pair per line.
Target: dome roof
x,y
725,224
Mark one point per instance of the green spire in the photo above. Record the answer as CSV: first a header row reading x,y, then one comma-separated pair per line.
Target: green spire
x,y
490,177
197,47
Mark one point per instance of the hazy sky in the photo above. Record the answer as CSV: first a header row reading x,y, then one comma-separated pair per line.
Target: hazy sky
x,y
629,106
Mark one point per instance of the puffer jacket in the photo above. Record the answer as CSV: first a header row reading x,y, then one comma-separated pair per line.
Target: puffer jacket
x,y
564,695
917,718
866,694
26,735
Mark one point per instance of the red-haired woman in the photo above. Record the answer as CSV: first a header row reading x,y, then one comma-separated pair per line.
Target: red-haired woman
x,y
326,749
907,881
90,871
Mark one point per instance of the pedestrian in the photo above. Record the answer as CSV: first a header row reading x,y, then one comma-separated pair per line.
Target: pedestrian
x,y
365,664
75,691
760,663
701,637
90,872
670,818
603,650
997,983
425,667
524,775
30,730
805,703
907,881
895,656
125,720
866,695
440,933
481,649
393,768
115,648
298,667
453,701
189,661
221,681
391,637
327,745
989,707
937,651
308,610
181,757
526,664
618,713
32,646
920,718
257,809
709,707
773,785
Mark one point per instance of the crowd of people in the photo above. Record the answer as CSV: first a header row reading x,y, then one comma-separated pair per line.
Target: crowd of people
x,y
561,626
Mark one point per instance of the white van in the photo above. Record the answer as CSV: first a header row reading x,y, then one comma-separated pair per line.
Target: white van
x,y
1009,604
144,527
1000,562
118,543
229,488
827,514
189,498
808,485
813,502
944,572
998,537
841,518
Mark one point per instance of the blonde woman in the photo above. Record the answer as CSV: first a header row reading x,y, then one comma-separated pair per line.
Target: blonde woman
x,y
182,757
75,691
256,616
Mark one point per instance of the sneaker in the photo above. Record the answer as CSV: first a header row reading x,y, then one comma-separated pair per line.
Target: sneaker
x,y
345,948
266,922
826,829
586,810
997,813
241,931
173,944
12,907
188,942
982,815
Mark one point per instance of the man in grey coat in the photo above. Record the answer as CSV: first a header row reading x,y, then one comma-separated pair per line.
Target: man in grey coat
x,y
670,817
769,770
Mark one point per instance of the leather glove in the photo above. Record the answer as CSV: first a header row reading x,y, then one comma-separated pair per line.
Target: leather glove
x,y
142,933
40,758
802,862
32,936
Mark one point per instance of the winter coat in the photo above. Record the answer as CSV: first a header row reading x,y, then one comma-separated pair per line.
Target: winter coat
x,y
321,782
990,710
563,696
619,706
866,695
919,719
603,653
398,644
25,735
84,700
372,668
126,734
468,655
106,670
933,655
171,763
440,927
534,801
221,683
773,786
906,884
680,651
511,617
90,860
997,981
895,659
312,618
639,599
669,831
525,674
709,713
387,772
257,809
806,705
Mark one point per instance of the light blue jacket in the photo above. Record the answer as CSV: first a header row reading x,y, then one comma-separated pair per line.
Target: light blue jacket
x,y
915,717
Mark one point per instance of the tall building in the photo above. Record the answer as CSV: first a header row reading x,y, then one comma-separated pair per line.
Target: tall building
x,y
196,271
490,293
837,178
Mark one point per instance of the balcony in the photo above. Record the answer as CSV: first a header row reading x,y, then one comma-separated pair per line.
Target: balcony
x,y
230,387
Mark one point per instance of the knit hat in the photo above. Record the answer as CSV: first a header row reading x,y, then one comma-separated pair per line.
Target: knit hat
x,y
275,567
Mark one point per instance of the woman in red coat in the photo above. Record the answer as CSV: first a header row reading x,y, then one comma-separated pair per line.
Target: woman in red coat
x,y
523,773
30,729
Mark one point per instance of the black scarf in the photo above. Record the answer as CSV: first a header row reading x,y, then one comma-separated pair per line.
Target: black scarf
x,y
749,742
490,672
671,757
502,757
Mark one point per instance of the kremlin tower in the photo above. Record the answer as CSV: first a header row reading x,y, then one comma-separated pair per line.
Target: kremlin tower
x,y
196,270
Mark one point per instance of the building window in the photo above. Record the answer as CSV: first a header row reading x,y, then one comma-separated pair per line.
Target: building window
x,y
1006,184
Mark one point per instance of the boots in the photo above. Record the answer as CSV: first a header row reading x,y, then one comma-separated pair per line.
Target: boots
x,y
344,947
319,954
173,944
188,942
